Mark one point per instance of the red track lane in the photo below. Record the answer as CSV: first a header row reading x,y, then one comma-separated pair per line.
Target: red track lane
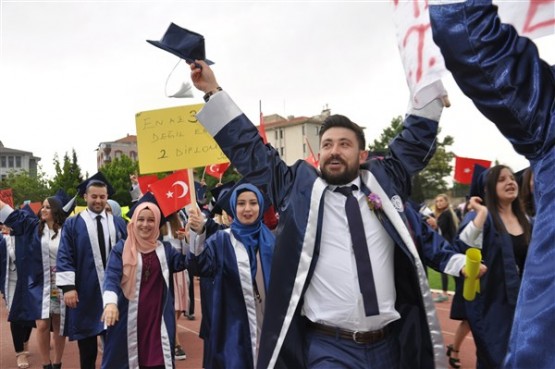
x,y
188,335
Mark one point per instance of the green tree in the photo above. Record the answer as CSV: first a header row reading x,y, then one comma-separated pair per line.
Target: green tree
x,y
431,181
117,173
67,174
25,187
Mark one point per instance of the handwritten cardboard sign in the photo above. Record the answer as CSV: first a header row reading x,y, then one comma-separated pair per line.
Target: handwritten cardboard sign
x,y
172,139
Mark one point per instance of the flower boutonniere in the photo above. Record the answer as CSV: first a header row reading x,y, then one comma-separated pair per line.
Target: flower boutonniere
x,y
374,202
375,205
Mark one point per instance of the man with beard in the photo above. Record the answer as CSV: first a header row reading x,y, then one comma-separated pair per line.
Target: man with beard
x,y
330,302
87,239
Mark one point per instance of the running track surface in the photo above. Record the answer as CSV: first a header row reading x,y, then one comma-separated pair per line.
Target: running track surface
x,y
188,335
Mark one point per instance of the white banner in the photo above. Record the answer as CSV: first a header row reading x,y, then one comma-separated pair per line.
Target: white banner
x,y
422,59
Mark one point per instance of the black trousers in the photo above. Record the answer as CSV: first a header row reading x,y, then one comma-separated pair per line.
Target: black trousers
x,y
88,350
191,307
21,331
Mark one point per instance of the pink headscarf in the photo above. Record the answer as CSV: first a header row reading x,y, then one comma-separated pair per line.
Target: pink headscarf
x,y
134,244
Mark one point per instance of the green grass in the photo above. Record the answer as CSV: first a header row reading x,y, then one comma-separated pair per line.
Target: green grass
x,y
434,279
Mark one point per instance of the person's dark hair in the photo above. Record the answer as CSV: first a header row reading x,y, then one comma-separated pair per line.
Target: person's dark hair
x,y
96,184
58,215
337,120
492,202
526,194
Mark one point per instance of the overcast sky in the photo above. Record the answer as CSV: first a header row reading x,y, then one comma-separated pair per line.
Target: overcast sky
x,y
74,74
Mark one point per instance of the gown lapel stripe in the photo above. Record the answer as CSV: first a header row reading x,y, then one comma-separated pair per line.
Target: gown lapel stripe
x,y
305,260
396,220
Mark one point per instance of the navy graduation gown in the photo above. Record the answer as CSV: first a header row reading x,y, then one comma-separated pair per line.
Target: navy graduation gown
x,y
121,347
79,264
491,313
229,341
32,293
296,191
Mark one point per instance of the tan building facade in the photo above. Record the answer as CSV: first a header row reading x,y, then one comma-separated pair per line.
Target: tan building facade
x,y
14,160
108,151
294,137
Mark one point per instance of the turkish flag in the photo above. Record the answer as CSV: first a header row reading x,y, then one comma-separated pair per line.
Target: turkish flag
x,y
216,170
464,167
172,192
262,129
145,181
6,196
311,159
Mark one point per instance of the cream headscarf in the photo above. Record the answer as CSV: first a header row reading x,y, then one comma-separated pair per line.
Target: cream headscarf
x,y
134,244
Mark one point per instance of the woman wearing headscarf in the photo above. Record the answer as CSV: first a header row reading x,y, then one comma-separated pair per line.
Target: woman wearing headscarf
x,y
238,261
138,295
40,236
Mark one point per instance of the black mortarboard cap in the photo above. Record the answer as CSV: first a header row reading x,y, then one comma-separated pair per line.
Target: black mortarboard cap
x,y
67,203
200,190
29,210
147,197
217,193
96,178
181,42
519,176
478,181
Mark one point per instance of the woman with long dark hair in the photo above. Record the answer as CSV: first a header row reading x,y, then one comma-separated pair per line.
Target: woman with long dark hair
x,y
41,238
500,228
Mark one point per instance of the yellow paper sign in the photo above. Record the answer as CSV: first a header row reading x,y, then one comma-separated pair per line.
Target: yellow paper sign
x,y
172,139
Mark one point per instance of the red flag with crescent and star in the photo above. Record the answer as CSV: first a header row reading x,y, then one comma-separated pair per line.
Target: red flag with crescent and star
x,y
172,192
145,181
217,170
464,167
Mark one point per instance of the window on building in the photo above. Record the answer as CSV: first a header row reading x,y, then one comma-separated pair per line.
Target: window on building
x,y
281,151
133,155
281,133
117,154
10,161
303,130
317,131
2,161
18,161
304,149
276,134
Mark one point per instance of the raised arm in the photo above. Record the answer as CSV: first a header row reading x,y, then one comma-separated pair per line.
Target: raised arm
x,y
500,71
239,138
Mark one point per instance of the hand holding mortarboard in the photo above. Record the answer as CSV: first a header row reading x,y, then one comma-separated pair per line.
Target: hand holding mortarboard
x,y
186,45
203,77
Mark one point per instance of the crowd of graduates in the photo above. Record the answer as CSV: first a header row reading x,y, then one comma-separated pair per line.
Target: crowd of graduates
x,y
271,278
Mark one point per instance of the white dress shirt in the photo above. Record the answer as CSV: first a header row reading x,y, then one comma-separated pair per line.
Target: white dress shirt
x,y
333,296
105,228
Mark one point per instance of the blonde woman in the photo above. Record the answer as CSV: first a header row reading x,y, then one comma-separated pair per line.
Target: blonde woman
x,y
446,222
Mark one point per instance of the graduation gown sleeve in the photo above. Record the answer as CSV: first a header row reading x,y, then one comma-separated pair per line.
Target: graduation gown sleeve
x,y
513,87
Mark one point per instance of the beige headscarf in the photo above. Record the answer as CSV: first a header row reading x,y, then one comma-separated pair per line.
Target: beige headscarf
x,y
134,244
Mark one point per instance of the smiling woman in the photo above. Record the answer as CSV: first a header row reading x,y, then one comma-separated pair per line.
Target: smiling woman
x,y
238,261
501,230
138,300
